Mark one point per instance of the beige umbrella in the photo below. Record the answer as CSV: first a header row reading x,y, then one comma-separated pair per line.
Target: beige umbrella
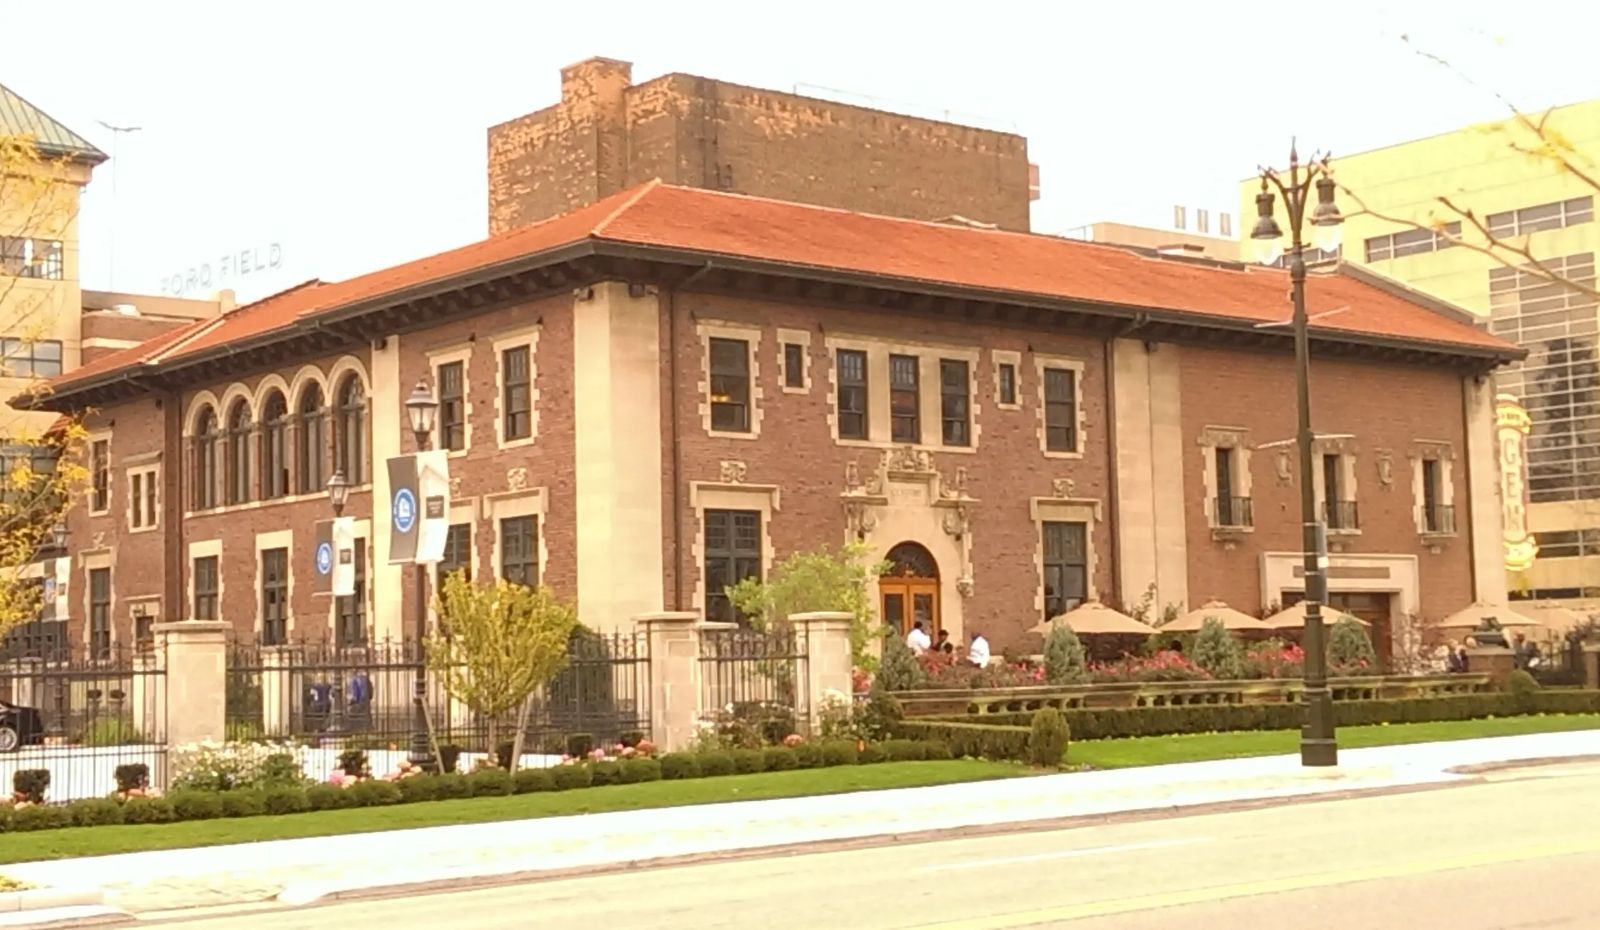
x,y
1553,616
1473,617
1294,618
1231,620
1093,618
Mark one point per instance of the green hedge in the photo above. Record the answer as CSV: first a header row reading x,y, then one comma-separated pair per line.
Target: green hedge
x,y
979,740
1115,722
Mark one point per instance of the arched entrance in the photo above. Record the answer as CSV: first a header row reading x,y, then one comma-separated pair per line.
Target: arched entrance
x,y
909,590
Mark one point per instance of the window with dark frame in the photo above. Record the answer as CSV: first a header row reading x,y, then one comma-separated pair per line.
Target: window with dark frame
x,y
274,447
955,402
1060,410
1557,215
1231,509
274,597
1412,242
1008,383
457,554
239,428
730,385
206,588
350,613
1066,576
794,365
28,257
30,358
1434,518
905,401
100,475
453,406
310,442
351,437
206,438
732,554
519,550
100,614
851,365
516,402
142,499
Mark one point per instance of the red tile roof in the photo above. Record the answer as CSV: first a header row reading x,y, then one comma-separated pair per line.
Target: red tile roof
x,y
712,224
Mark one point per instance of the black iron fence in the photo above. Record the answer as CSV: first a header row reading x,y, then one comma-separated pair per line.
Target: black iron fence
x,y
754,681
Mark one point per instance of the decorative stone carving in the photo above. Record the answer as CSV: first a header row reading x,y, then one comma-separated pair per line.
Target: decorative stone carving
x,y
516,478
733,472
99,540
964,586
957,521
1062,487
908,460
1282,467
852,475
858,517
1385,461
455,486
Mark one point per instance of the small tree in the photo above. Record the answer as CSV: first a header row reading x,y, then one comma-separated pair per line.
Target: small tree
x,y
1064,660
814,581
1350,649
1216,651
505,641
899,670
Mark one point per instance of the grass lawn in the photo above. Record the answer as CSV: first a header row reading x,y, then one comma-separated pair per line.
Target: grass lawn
x,y
100,841
1202,747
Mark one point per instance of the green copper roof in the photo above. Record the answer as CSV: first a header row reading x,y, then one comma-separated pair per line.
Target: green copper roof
x,y
19,117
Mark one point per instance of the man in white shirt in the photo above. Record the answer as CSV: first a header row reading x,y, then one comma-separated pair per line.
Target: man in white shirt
x,y
978,652
918,639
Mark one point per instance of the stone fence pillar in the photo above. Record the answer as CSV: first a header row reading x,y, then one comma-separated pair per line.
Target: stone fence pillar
x,y
1498,661
674,686
277,690
196,679
1591,666
828,660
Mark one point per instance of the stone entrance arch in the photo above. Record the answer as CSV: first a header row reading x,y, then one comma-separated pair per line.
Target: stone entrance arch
x,y
909,591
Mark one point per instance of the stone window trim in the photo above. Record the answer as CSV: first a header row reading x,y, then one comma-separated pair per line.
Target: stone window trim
x,y
1348,451
461,352
143,511
91,442
493,508
1042,510
1443,452
719,495
1236,438
201,549
146,608
750,333
466,512
1078,367
998,358
930,409
525,336
801,338
275,539
88,561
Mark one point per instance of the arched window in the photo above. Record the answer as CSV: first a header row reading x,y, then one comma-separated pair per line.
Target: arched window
x,y
352,430
274,447
238,453
205,439
311,441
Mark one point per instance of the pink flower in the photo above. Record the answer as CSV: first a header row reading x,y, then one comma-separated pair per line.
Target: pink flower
x,y
793,740
336,777
646,747
599,755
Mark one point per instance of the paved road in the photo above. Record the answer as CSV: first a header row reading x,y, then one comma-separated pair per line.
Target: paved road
x,y
1518,852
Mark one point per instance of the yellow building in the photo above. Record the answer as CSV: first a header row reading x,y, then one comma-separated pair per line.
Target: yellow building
x,y
1527,201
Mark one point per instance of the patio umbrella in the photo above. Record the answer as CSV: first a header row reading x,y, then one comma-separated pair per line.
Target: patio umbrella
x,y
1556,618
1093,618
1473,617
1231,620
1294,618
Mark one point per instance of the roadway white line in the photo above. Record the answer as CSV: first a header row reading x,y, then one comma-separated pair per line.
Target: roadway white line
x,y
1066,854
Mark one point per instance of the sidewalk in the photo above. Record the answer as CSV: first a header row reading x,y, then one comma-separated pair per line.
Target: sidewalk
x,y
304,870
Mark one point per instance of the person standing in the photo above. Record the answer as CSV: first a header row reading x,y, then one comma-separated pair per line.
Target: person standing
x,y
918,639
978,652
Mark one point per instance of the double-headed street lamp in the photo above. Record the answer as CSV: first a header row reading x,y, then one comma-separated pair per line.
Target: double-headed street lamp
x,y
1317,743
422,407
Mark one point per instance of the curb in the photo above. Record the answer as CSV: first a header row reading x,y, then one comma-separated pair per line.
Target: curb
x,y
39,899
73,915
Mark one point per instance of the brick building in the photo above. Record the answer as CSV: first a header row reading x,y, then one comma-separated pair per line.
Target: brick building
x,y
607,134
654,395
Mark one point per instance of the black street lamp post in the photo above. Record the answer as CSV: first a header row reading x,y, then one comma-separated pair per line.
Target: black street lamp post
x,y
338,494
1317,743
423,408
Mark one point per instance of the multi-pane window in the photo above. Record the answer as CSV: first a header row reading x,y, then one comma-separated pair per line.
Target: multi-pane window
x,y
1437,516
274,447
1232,508
1569,544
457,554
1557,215
100,476
100,614
1066,560
516,402
730,385
1559,380
1339,511
1412,242
25,257
350,613
207,587
955,402
142,499
1008,383
206,438
519,550
352,430
1060,410
453,406
310,441
274,597
905,401
732,554
239,453
1311,255
30,358
852,376
794,365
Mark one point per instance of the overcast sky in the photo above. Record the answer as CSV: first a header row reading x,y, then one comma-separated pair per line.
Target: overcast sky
x,y
354,133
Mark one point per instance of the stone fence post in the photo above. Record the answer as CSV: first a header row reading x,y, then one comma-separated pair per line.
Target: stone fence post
x,y
196,679
828,660
674,686
1498,661
1591,666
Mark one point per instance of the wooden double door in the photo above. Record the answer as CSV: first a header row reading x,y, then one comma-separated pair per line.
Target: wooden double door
x,y
909,590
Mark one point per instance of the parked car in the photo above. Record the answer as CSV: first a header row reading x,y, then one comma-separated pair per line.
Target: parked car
x,y
19,726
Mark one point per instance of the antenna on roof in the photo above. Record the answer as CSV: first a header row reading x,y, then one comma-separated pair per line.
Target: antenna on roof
x,y
111,253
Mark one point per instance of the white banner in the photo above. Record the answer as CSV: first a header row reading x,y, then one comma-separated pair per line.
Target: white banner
x,y
433,487
344,561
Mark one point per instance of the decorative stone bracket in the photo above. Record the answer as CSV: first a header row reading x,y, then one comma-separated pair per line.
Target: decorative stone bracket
x,y
865,497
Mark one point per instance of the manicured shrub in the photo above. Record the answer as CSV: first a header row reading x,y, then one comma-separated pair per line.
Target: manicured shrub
x,y
95,812
604,773
975,740
487,783
40,817
355,762
31,785
195,805
5,818
1064,659
419,788
284,800
132,776
454,786
676,766
808,755
748,761
713,764
1047,738
878,715
281,769
839,752
1350,649
532,781
1522,684
568,777
780,759
635,771
580,744
377,793
872,754
236,802
898,669
1216,651
905,750
323,798
148,810
938,750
